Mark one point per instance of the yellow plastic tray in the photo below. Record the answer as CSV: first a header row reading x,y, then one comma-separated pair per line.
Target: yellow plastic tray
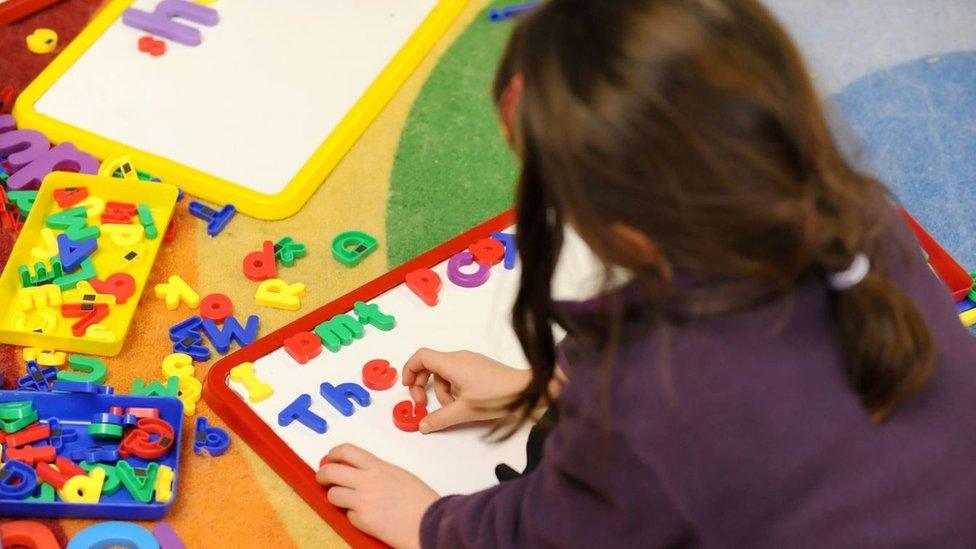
x,y
159,197
216,189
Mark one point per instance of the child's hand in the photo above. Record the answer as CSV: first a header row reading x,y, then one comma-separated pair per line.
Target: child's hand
x,y
383,500
465,384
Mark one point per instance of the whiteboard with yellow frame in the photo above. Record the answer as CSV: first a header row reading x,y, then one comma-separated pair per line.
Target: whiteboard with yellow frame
x,y
258,114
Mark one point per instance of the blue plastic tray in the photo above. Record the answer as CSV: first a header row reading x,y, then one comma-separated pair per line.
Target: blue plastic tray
x,y
75,410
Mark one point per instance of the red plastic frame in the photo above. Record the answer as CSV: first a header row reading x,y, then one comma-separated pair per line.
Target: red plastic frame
x,y
259,436
948,269
15,10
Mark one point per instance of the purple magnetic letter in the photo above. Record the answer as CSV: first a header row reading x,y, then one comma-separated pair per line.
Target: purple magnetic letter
x,y
7,123
62,158
23,146
167,537
161,20
465,280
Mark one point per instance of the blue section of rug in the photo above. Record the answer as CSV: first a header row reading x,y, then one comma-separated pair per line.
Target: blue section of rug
x,y
917,125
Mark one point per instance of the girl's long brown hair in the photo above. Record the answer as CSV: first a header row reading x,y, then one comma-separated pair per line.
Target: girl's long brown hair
x,y
694,122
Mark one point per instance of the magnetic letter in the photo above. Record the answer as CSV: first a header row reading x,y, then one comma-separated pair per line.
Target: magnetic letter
x,y
462,279
303,346
339,331
63,158
511,250
426,284
299,411
342,396
161,20
369,313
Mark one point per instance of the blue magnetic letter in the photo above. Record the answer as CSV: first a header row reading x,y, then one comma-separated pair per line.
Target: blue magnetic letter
x,y
299,411
511,250
341,396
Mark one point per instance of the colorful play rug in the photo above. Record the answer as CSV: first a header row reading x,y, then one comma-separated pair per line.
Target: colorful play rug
x,y
434,163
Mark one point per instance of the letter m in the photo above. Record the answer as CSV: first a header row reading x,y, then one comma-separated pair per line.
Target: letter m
x,y
339,331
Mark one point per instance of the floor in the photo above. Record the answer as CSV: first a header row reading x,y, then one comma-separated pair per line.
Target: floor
x,y
902,75
899,74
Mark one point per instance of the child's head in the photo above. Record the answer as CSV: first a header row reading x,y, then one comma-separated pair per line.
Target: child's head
x,y
683,139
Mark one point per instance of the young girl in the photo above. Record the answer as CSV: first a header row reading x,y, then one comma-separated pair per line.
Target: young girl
x,y
780,369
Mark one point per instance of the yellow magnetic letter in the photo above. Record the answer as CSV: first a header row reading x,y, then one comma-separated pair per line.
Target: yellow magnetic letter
x,y
38,297
279,294
190,390
84,489
124,235
177,364
44,357
99,332
49,248
257,390
176,290
164,484
85,293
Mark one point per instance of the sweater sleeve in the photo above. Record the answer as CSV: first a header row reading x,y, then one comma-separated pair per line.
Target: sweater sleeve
x,y
591,489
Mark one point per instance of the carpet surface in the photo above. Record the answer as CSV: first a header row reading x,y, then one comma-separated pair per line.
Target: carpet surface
x,y
433,163
919,118
900,75
451,149
236,499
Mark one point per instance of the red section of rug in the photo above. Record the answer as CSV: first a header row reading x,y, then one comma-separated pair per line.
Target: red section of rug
x,y
10,366
18,66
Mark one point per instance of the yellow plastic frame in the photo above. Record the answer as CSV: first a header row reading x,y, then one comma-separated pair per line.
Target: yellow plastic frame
x,y
161,200
215,189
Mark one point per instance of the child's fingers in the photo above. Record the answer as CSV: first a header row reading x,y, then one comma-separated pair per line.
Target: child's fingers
x,y
442,390
342,497
419,394
442,418
417,380
424,360
355,519
420,382
351,454
338,474
421,379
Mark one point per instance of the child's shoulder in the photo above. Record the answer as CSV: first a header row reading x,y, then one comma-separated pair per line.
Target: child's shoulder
x,y
786,349
660,368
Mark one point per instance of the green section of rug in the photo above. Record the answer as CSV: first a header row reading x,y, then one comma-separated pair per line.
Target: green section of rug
x,y
452,168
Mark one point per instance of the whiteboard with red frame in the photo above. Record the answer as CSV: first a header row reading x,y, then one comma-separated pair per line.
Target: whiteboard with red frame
x,y
460,460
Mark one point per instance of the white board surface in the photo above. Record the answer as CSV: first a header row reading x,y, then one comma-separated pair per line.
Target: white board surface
x,y
458,461
251,103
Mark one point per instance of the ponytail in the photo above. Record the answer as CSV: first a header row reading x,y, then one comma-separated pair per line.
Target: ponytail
x,y
695,124
888,349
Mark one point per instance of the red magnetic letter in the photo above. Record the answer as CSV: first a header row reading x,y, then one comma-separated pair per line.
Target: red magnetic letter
x,y
261,265
426,284
378,376
407,415
216,307
303,346
487,251
121,285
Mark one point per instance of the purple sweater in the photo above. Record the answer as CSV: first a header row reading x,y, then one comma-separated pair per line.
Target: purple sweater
x,y
742,432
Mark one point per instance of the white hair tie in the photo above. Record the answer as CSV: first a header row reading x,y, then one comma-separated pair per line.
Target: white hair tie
x,y
845,280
